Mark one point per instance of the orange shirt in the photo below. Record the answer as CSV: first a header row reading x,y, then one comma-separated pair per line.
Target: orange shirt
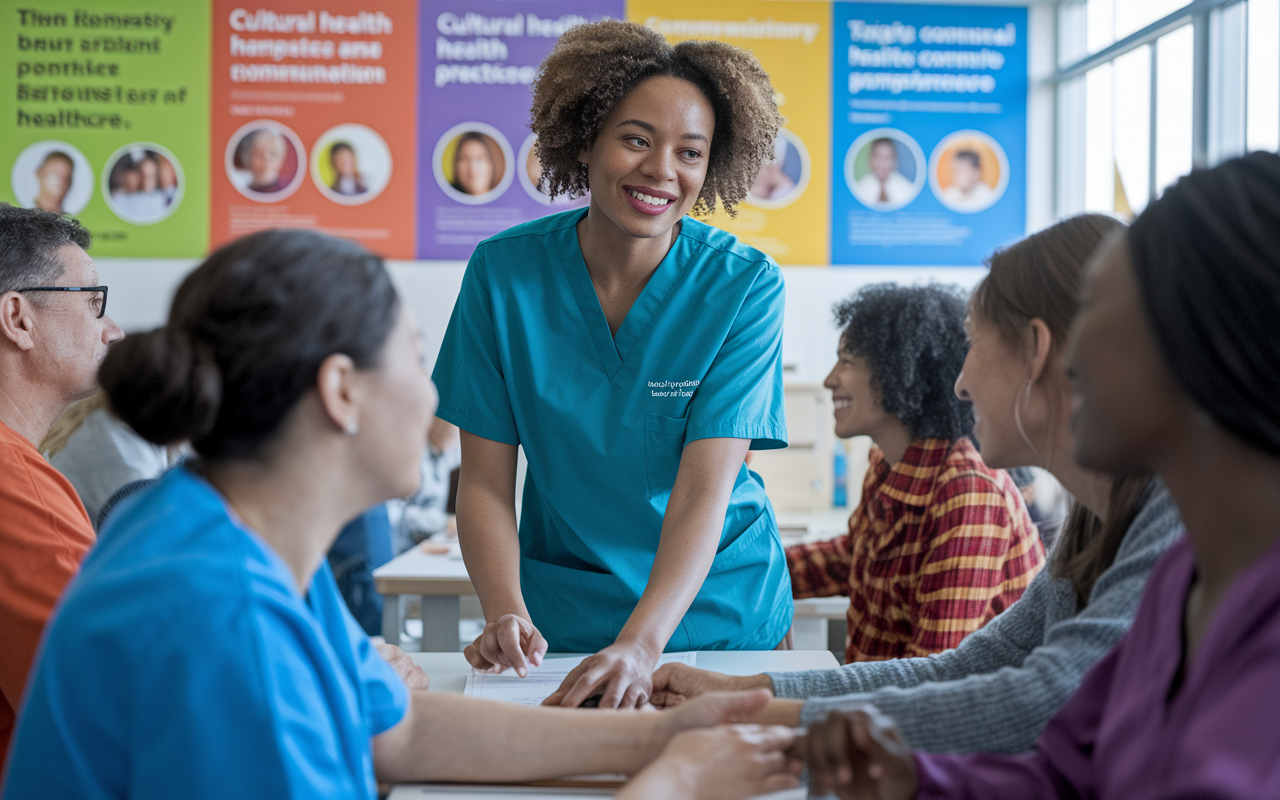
x,y
44,535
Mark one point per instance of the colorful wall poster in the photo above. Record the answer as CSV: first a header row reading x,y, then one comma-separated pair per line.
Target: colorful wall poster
x,y
314,120
105,116
786,212
477,174
928,133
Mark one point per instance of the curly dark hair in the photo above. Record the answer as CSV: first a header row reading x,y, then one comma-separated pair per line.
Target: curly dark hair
x,y
593,66
913,339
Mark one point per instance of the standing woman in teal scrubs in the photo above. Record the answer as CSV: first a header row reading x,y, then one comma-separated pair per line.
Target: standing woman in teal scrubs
x,y
635,354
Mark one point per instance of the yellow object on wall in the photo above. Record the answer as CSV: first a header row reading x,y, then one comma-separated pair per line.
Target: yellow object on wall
x,y
787,214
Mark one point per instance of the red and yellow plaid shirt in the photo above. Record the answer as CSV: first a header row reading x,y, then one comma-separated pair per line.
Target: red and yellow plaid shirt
x,y
939,544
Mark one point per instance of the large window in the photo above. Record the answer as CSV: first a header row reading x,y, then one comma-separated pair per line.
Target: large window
x,y
1263,81
1147,89
1112,20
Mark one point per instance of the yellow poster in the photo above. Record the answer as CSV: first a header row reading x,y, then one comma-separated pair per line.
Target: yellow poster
x,y
787,212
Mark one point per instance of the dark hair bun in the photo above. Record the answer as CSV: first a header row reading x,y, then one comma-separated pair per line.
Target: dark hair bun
x,y
167,388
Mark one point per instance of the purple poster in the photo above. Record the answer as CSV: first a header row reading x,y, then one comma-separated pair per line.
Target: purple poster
x,y
477,172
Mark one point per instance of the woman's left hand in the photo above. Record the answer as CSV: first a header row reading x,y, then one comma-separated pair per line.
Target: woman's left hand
x,y
622,674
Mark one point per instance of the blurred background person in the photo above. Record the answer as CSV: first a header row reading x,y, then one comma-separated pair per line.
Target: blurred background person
x,y
474,169
773,183
54,176
168,178
426,512
346,172
262,153
141,197
99,454
884,185
968,192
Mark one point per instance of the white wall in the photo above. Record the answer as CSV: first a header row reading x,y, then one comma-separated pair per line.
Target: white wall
x,y
141,290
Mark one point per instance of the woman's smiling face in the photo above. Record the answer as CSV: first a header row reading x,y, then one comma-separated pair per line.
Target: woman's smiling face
x,y
856,401
648,163
994,379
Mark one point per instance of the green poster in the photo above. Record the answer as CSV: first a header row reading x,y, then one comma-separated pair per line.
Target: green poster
x,y
104,114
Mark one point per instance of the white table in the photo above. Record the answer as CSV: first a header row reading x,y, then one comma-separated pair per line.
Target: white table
x,y
449,671
441,579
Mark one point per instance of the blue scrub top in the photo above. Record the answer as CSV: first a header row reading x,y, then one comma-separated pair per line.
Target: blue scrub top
x,y
528,359
182,663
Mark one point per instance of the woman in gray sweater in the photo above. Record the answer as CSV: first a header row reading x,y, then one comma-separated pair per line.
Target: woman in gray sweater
x,y
996,691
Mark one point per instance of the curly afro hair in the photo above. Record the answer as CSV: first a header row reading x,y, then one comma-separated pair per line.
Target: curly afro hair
x,y
913,339
593,66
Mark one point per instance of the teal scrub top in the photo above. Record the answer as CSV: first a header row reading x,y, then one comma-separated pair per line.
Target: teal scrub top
x,y
528,359
183,663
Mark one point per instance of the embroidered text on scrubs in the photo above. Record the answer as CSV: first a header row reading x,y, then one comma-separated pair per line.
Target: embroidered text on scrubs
x,y
672,388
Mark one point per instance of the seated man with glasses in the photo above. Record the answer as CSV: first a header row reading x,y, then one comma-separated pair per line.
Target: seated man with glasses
x,y
53,334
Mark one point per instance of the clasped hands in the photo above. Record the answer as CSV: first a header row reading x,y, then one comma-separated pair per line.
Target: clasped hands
x,y
858,754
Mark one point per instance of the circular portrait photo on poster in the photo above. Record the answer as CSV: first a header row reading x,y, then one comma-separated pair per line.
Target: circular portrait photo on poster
x,y
968,171
142,183
264,161
350,164
884,169
473,163
52,175
783,178
530,178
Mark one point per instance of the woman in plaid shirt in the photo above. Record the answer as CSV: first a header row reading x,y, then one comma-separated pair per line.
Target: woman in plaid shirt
x,y
940,543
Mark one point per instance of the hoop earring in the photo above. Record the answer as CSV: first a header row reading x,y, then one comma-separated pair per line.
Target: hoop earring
x,y
1017,420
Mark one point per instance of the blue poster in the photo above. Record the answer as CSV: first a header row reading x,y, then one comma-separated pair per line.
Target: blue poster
x,y
929,131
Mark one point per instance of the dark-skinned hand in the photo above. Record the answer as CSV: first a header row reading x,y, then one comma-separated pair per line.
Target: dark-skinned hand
x,y
858,755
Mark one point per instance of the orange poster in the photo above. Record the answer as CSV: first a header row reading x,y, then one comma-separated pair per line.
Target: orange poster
x,y
314,120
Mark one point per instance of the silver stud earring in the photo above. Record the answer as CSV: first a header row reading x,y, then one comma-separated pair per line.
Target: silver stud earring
x,y
352,429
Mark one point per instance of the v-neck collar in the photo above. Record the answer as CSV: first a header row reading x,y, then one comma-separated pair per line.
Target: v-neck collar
x,y
613,349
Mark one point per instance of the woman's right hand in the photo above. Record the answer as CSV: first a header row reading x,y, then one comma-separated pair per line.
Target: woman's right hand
x,y
509,642
675,683
727,762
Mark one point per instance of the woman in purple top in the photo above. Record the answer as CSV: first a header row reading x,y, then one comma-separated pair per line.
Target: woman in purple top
x,y
1175,367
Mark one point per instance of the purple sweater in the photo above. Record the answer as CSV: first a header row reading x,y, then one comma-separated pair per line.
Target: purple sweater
x,y
1120,736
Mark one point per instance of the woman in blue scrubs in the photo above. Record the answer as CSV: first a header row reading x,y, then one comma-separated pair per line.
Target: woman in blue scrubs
x,y
635,354
204,650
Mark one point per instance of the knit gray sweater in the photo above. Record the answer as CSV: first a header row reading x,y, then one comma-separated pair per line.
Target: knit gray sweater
x,y
999,688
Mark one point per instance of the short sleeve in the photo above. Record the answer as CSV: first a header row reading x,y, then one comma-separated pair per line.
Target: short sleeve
x,y
741,397
468,372
385,696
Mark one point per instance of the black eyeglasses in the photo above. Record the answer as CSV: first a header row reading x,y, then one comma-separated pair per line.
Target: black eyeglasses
x,y
98,304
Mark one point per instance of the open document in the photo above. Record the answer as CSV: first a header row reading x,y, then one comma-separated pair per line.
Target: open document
x,y
542,680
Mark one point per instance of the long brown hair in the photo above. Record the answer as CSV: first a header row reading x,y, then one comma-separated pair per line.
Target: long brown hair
x,y
1039,278
70,422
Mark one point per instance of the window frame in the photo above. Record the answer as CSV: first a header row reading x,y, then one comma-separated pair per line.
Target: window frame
x,y
1219,96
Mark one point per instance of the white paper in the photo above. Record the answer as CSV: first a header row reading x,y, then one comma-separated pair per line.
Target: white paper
x,y
493,793
542,680
454,792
